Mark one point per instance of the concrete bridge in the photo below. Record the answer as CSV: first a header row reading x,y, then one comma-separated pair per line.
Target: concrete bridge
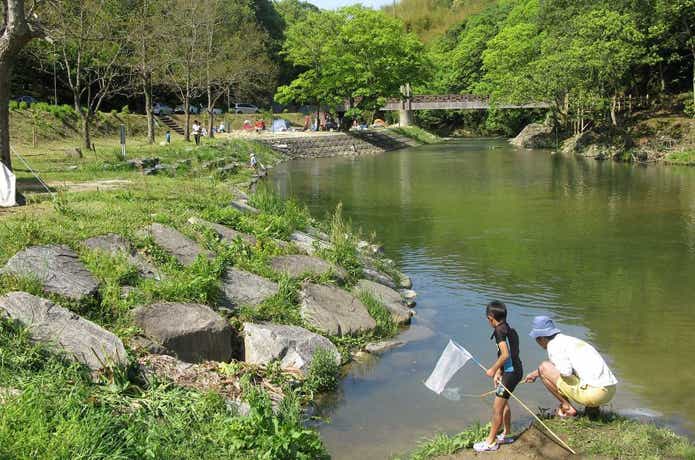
x,y
406,105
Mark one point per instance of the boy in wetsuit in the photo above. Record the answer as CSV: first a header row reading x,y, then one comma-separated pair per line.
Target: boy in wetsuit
x,y
506,372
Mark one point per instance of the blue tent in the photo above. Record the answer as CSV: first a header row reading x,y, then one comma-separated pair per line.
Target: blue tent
x,y
280,124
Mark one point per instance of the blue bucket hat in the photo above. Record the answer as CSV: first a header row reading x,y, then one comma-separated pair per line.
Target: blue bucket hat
x,y
543,326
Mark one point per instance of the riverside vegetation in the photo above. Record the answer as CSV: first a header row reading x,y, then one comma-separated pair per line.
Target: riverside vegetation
x,y
53,408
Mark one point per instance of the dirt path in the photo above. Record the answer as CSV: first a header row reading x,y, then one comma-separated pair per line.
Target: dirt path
x,y
531,444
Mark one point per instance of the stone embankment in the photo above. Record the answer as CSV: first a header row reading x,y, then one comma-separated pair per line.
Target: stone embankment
x,y
367,142
180,340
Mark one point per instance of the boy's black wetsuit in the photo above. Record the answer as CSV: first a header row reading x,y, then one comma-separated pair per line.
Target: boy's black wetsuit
x,y
512,371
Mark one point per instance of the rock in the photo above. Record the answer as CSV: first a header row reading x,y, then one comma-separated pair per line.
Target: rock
x,y
316,233
575,145
293,346
64,331
333,310
409,297
225,234
416,333
57,268
243,288
191,332
8,393
243,206
535,136
373,274
297,265
113,244
308,243
369,248
380,347
405,281
390,298
184,249
74,152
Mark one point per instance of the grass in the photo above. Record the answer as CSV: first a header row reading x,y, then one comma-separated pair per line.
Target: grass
x,y
443,444
417,134
685,157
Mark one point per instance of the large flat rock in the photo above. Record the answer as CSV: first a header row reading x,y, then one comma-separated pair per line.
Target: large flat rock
x,y
114,244
64,331
293,346
225,234
334,310
390,298
184,249
308,243
243,206
57,267
240,287
297,265
191,332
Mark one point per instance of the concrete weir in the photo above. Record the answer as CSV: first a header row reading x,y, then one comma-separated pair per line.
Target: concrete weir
x,y
339,144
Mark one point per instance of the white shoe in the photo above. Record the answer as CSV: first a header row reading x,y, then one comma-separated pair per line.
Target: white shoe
x,y
505,439
483,446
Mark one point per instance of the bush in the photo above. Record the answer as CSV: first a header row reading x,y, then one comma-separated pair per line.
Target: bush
x,y
23,106
40,107
14,105
114,112
689,106
125,110
323,373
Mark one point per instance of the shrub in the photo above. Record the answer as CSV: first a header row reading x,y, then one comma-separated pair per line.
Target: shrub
x,y
14,105
23,106
323,373
114,112
125,110
689,106
447,445
40,107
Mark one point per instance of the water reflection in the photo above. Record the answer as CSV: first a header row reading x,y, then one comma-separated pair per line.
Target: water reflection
x,y
606,248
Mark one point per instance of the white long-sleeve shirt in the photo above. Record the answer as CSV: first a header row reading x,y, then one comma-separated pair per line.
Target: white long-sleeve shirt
x,y
573,356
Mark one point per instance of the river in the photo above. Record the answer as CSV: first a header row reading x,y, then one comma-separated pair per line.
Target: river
x,y
607,249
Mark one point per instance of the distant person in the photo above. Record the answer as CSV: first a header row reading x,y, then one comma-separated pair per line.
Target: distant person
x,y
222,128
204,132
575,370
506,373
307,123
196,132
253,162
167,137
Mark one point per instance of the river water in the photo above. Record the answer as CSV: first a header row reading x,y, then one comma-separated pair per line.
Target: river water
x,y
607,249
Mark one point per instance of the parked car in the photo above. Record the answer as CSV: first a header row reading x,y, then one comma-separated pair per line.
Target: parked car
x,y
244,108
162,109
191,109
217,111
28,99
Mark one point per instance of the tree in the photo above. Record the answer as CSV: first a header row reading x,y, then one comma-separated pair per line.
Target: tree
x,y
91,46
19,27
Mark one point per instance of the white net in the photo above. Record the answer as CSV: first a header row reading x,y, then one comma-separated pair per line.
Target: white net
x,y
452,359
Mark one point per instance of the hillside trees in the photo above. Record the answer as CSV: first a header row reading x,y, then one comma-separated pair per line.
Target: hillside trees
x,y
19,25
353,54
91,44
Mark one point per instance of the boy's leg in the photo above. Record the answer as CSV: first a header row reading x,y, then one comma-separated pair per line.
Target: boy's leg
x,y
498,407
549,376
507,419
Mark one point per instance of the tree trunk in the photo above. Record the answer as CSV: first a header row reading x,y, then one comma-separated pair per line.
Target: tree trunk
x,y
614,115
5,156
187,109
149,110
211,115
86,137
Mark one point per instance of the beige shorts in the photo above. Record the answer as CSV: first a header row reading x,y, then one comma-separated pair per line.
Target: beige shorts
x,y
586,395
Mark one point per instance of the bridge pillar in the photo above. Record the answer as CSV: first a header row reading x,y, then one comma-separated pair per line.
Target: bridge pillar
x,y
405,117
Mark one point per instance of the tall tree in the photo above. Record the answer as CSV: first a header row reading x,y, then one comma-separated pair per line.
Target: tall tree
x,y
91,46
19,26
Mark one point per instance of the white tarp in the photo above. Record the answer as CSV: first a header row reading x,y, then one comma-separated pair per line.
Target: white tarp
x,y
453,358
7,187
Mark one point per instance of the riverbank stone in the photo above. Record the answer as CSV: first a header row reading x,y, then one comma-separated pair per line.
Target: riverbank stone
x,y
390,298
224,233
333,310
191,332
113,244
535,136
239,287
375,275
308,243
293,346
64,331
58,269
184,249
243,206
297,265
409,297
376,348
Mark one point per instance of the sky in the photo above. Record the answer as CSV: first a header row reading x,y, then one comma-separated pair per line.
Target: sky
x,y
333,4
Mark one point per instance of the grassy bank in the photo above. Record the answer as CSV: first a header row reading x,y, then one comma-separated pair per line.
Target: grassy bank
x,y
60,412
611,436
418,134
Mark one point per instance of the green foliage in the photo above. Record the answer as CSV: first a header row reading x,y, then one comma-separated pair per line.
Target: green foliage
x,y
446,445
343,250
23,105
385,325
14,105
418,134
125,110
324,372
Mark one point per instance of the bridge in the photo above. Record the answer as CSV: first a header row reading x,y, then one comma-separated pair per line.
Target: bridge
x,y
454,102
408,103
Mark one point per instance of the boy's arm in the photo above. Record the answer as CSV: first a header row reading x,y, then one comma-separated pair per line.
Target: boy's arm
x,y
504,355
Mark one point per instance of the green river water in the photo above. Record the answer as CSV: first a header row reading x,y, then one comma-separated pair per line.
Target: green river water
x,y
608,249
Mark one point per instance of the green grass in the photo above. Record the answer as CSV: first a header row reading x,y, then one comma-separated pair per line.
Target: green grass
x,y
418,134
61,413
685,157
443,444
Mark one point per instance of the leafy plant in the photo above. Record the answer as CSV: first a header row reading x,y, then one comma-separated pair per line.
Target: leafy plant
x,y
323,373
443,444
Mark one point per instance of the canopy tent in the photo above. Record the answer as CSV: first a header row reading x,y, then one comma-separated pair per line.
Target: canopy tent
x,y
280,124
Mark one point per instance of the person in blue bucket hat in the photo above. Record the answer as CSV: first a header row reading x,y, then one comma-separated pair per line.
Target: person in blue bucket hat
x,y
575,371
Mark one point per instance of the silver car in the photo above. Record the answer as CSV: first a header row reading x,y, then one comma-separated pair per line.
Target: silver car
x,y
244,108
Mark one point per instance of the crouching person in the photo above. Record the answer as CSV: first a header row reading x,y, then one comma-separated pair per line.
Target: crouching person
x,y
575,371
